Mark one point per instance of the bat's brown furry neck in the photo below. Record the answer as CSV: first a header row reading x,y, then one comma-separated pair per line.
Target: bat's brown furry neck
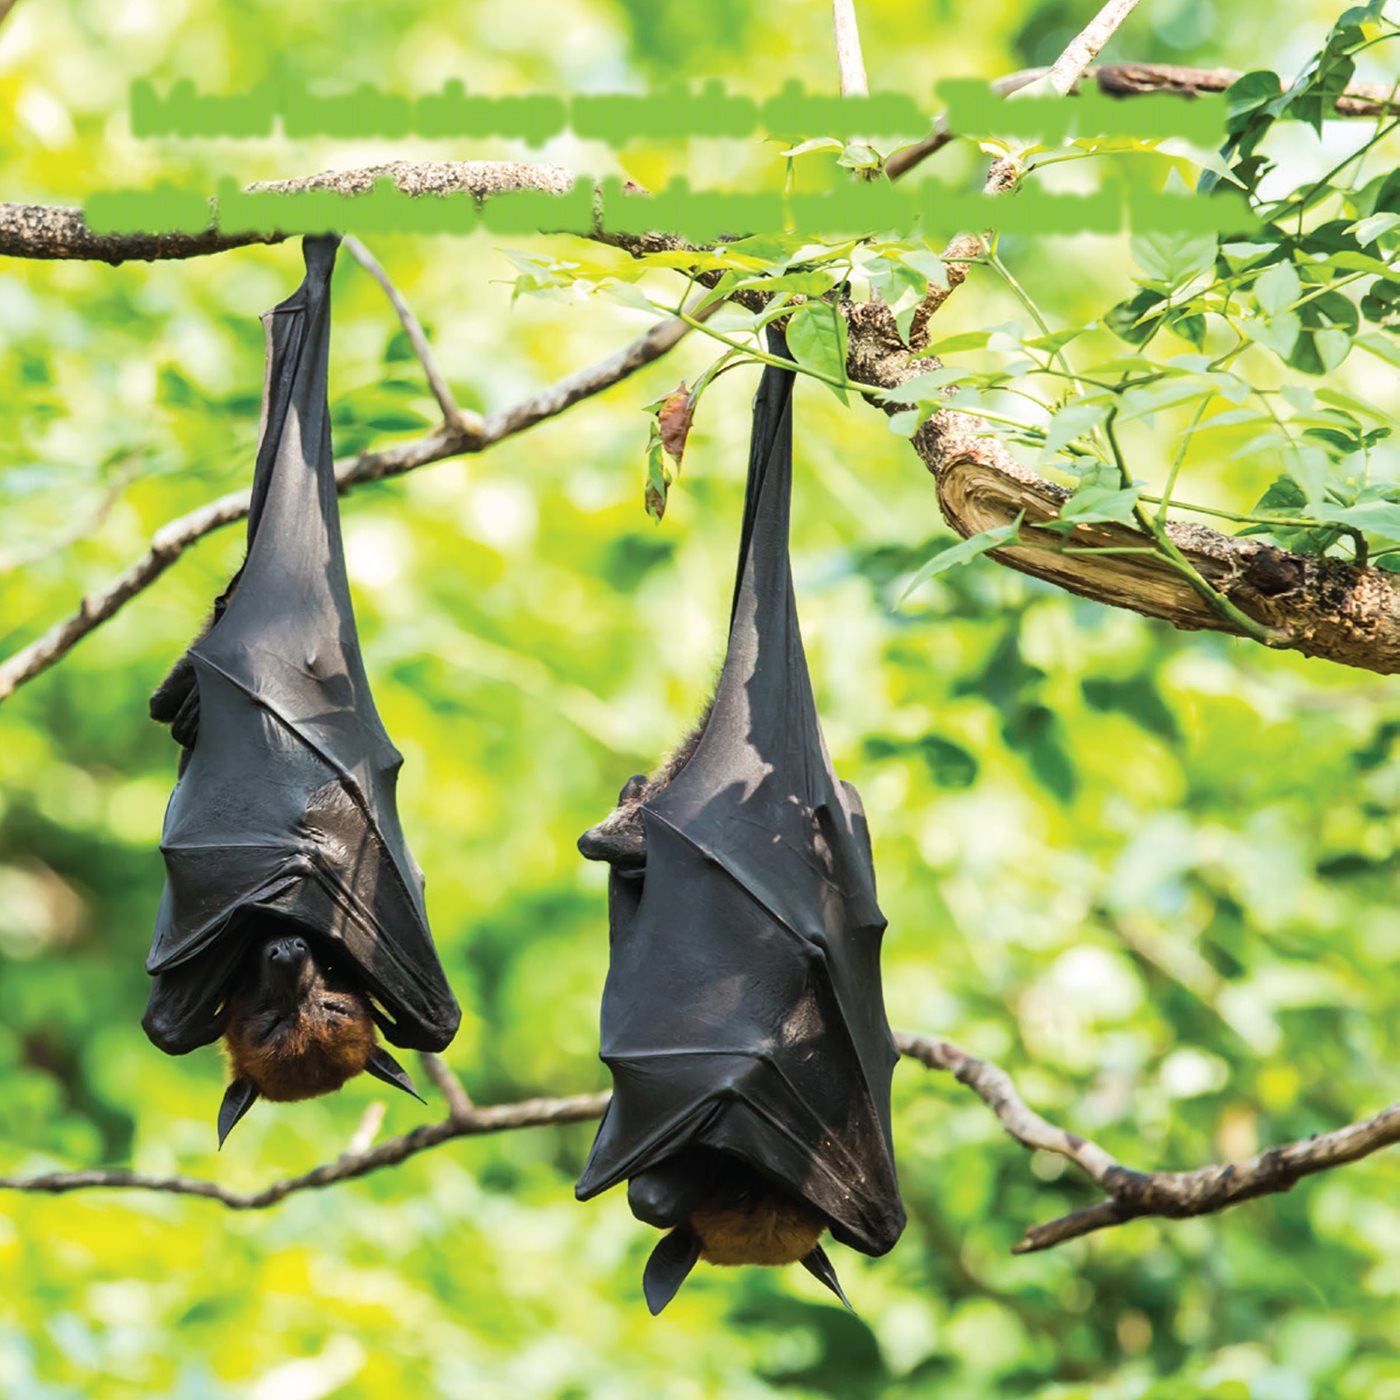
x,y
294,1030
768,1228
745,1218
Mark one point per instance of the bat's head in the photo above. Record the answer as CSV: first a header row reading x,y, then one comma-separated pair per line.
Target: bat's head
x,y
298,1027
620,839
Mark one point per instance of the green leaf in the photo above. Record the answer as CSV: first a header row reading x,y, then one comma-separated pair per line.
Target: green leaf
x,y
1138,698
929,266
1072,422
630,295
1174,258
949,764
1259,91
817,143
658,483
1280,333
808,284
816,335
1147,399
1091,502
399,347
858,156
1328,324
925,388
1056,340
1381,305
1278,288
965,340
1368,230
1134,320
1375,517
1189,326
964,551
1380,345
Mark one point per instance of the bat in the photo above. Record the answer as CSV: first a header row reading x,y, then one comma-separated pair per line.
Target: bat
x,y
742,1016
292,921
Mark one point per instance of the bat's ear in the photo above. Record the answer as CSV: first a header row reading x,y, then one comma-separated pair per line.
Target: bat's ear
x,y
633,789
239,1097
819,1266
382,1065
668,1266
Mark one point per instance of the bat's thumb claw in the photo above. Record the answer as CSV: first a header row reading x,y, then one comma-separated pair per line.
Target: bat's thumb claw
x,y
239,1097
382,1065
819,1266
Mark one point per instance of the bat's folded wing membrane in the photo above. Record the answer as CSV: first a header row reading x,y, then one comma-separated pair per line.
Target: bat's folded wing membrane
x,y
286,805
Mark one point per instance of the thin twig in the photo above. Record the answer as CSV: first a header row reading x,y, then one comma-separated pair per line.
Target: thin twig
x,y
532,1113
362,1139
451,414
1084,48
1134,80
1131,1194
446,1082
5,7
848,58
472,435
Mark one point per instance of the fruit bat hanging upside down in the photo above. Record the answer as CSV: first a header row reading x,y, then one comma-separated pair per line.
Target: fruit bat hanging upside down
x,y
742,1016
292,921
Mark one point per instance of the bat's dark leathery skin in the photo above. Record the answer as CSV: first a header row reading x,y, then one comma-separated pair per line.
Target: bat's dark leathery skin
x,y
742,1017
283,824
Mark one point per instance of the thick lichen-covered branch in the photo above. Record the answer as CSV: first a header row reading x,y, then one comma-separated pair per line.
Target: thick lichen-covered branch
x,y
56,233
1318,606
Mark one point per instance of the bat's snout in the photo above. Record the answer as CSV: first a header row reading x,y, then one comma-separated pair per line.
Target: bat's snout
x,y
287,954
619,840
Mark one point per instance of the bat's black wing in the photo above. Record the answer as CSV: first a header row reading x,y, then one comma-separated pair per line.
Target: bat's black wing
x,y
285,805
743,1008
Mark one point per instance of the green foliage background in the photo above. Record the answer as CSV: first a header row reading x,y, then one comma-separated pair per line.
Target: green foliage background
x,y
1149,873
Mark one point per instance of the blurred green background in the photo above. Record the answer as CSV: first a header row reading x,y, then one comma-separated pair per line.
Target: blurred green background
x,y
1152,874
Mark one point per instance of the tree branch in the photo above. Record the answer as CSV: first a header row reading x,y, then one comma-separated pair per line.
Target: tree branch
x,y
50,232
371,1121
451,414
1133,80
1178,1195
1084,48
471,435
445,1081
1131,1194
849,62
1319,607
43,231
532,1113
